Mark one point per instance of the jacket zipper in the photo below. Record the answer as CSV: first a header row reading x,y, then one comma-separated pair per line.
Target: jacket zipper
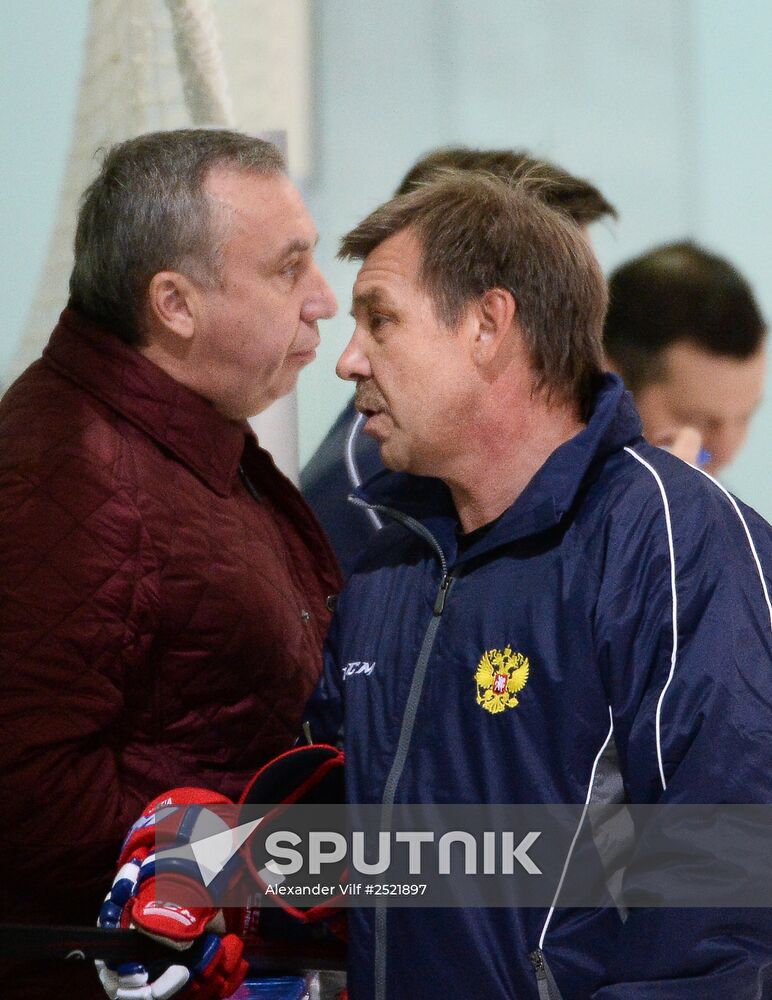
x,y
545,982
403,745
547,988
442,595
408,718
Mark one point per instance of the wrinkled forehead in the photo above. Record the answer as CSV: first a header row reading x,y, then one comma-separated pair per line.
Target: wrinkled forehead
x,y
390,270
264,208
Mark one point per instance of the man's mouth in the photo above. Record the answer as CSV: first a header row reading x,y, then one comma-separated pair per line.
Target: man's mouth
x,y
305,354
371,404
376,424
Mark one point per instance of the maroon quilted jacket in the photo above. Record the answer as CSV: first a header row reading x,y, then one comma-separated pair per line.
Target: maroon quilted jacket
x,y
162,609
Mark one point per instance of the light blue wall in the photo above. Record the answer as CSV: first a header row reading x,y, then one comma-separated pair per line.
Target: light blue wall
x,y
663,103
733,128
41,45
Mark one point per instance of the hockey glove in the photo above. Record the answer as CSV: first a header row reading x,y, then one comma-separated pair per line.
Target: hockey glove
x,y
208,963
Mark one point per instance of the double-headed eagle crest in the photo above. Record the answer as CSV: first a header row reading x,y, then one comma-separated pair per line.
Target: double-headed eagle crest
x,y
500,675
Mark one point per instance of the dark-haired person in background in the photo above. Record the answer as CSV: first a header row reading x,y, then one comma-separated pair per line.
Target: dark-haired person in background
x,y
345,456
684,331
577,198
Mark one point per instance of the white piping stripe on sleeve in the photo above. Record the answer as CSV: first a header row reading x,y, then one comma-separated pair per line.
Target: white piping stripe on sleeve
x,y
674,654
351,465
578,828
756,559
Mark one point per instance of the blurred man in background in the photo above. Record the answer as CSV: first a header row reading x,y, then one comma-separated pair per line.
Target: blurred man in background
x,y
685,333
346,457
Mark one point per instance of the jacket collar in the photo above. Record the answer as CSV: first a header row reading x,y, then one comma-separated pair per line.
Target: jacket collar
x,y
613,423
174,416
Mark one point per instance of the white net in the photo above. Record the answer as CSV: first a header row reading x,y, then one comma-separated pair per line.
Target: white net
x,y
199,59
158,64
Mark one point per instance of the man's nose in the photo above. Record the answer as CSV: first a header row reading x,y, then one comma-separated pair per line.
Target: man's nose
x,y
321,303
353,364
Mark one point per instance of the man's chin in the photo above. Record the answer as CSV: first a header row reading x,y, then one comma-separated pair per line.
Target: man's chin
x,y
392,457
381,429
271,394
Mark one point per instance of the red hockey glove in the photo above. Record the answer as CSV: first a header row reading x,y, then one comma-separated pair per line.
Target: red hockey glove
x,y
208,964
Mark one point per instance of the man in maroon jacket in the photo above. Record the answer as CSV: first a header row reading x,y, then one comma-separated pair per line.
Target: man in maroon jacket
x,y
164,588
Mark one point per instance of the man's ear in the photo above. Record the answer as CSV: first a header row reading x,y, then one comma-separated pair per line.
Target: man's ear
x,y
495,311
170,303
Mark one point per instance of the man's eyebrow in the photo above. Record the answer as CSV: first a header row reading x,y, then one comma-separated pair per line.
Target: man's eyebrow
x,y
297,246
369,301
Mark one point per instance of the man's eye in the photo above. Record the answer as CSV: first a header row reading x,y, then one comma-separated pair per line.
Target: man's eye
x,y
291,270
377,321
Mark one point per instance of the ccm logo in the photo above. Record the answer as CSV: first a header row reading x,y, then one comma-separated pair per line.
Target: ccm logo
x,y
358,667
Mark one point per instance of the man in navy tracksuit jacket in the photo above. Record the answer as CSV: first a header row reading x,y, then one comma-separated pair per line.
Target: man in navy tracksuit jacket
x,y
635,586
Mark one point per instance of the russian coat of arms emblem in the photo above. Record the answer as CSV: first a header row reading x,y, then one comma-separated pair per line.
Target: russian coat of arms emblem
x,y
500,675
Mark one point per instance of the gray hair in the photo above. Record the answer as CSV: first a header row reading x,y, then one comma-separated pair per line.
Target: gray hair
x,y
148,211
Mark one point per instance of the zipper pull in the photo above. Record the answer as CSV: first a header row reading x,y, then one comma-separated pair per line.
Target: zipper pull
x,y
442,595
537,961
546,986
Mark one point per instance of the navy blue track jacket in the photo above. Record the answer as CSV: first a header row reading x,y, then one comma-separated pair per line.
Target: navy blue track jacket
x,y
638,588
